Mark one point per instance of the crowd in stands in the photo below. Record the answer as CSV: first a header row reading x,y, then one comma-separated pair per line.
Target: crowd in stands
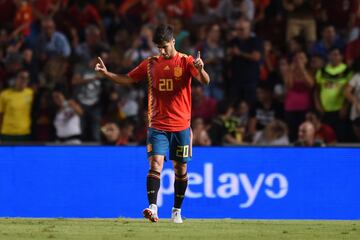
x,y
282,71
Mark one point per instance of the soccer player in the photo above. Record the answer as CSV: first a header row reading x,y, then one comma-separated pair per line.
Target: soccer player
x,y
169,110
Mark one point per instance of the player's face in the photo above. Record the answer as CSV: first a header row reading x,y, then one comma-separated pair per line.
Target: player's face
x,y
167,49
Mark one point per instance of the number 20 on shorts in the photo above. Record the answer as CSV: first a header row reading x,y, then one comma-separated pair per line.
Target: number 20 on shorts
x,y
182,151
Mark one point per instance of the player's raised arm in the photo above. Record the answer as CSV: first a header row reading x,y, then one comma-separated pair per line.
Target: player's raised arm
x,y
203,76
117,78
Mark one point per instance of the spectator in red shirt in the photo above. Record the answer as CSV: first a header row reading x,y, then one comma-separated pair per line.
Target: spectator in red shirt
x,y
23,17
138,12
83,14
177,8
323,132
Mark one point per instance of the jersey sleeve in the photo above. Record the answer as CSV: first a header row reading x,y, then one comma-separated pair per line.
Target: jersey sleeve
x,y
194,72
140,72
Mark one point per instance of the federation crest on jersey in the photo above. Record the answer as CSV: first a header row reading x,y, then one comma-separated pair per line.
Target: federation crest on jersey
x,y
177,72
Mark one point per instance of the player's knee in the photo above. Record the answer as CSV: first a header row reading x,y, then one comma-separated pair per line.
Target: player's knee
x,y
180,168
156,165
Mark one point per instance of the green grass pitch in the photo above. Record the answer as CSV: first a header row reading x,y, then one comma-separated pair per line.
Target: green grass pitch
x,y
108,229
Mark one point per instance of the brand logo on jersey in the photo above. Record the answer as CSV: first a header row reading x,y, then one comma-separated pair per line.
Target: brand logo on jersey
x,y
177,72
167,67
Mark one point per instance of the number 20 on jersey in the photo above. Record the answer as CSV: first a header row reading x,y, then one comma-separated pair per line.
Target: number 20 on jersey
x,y
166,84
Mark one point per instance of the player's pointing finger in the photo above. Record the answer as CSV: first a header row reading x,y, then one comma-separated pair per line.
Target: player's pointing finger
x,y
101,61
198,55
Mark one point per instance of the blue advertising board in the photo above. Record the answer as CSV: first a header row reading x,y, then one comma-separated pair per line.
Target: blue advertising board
x,y
230,182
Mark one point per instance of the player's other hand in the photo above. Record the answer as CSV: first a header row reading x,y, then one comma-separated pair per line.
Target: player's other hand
x,y
198,63
100,66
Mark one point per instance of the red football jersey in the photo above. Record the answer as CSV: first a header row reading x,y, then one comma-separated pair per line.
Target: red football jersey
x,y
169,90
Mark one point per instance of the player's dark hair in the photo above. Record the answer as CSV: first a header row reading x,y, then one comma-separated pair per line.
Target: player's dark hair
x,y
163,33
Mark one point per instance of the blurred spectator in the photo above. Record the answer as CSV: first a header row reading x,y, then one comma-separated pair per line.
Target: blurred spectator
x,y
31,65
67,120
329,98
269,21
242,116
43,129
352,51
339,13
275,133
92,44
232,10
294,45
138,12
271,58
15,110
244,52
307,136
87,91
181,35
200,135
118,135
275,79
13,64
317,62
298,98
126,136
330,39
55,73
46,8
128,107
177,8
202,106
143,47
224,128
52,43
83,13
260,9
212,53
354,23
111,133
323,132
119,46
204,14
300,19
266,110
23,16
352,93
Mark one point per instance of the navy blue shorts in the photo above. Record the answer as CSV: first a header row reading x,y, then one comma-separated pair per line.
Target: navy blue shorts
x,y
179,143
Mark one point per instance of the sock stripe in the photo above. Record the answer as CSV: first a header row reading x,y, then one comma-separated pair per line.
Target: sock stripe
x,y
182,178
154,172
151,175
181,175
